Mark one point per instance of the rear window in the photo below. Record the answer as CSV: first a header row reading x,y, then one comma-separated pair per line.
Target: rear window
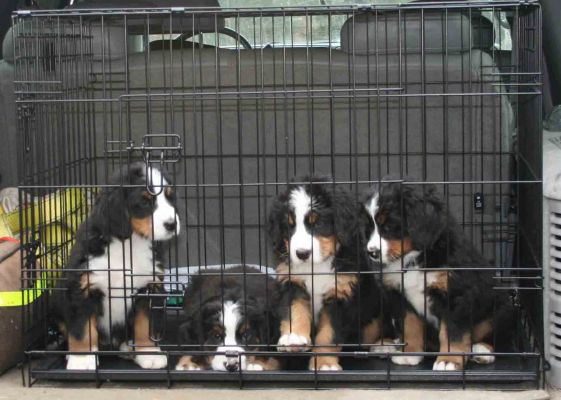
x,y
294,31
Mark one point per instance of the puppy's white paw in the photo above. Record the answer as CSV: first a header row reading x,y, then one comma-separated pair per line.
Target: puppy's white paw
x,y
254,367
407,360
483,356
293,342
151,361
331,367
125,349
386,347
81,362
445,366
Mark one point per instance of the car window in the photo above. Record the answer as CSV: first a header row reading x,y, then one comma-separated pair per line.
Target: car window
x,y
306,31
316,31
294,31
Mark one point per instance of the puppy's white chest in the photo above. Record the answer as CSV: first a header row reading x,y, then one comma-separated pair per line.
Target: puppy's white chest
x,y
126,267
317,283
413,283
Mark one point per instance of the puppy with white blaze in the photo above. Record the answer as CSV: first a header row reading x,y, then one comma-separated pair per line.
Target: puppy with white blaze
x,y
328,298
117,256
440,287
229,312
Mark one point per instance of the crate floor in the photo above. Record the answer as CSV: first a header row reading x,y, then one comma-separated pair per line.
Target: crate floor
x,y
522,370
506,370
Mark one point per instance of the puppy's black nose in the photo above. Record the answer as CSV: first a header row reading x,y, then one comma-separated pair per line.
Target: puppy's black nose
x,y
375,254
170,226
231,366
303,254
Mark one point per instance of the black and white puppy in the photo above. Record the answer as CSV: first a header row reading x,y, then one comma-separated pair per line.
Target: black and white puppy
x,y
116,256
317,234
230,313
413,235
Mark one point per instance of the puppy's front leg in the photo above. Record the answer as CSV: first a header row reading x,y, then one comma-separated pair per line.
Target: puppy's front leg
x,y
296,319
83,338
143,342
452,341
324,343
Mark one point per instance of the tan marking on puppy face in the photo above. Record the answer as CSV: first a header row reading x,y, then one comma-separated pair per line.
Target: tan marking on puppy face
x,y
312,218
284,276
85,283
482,330
380,218
344,289
440,282
327,245
243,328
168,191
372,332
398,248
414,333
218,330
142,226
147,195
142,329
300,321
324,343
290,219
447,346
88,341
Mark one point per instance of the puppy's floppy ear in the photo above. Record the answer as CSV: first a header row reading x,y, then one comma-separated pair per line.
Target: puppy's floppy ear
x,y
425,212
276,226
189,332
263,319
110,213
347,214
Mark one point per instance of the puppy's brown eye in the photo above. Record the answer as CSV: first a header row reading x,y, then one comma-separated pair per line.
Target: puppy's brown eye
x,y
380,218
312,218
290,220
147,195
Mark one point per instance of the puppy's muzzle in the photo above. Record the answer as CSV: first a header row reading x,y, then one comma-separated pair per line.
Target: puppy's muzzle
x,y
232,363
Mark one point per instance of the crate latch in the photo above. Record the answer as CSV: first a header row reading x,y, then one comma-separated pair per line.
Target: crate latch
x,y
161,148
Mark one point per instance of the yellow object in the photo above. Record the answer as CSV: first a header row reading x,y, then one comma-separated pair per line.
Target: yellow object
x,y
51,220
20,298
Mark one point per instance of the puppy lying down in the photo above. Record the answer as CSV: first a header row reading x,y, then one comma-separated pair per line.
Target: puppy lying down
x,y
229,312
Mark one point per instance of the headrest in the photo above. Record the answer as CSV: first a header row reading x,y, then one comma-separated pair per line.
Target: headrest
x,y
373,33
8,47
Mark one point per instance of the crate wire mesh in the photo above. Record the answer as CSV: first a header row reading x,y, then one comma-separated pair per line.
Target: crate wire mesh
x,y
353,92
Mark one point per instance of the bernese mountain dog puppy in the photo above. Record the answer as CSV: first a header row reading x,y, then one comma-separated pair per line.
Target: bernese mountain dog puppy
x,y
316,230
116,257
413,235
230,313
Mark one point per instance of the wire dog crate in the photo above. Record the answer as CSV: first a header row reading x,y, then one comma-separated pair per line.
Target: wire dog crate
x,y
236,103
